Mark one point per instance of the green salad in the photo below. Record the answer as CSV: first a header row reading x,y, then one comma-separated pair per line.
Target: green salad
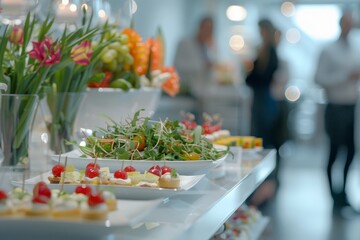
x,y
142,138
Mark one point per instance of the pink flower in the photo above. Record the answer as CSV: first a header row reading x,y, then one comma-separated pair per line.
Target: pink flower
x,y
81,54
16,35
45,52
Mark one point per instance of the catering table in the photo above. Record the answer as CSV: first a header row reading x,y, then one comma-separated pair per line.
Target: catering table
x,y
199,212
194,214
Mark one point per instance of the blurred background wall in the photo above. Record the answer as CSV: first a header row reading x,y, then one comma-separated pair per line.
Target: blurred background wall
x,y
305,26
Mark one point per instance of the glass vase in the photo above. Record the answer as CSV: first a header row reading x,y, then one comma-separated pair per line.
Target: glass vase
x,y
17,114
60,112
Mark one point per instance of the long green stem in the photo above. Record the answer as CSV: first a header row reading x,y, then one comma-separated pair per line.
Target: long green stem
x,y
16,119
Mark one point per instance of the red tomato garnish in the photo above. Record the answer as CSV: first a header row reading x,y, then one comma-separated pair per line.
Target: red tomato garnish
x,y
95,199
92,165
41,189
155,167
92,172
57,170
189,125
165,169
3,195
129,169
120,174
83,189
155,171
209,129
40,199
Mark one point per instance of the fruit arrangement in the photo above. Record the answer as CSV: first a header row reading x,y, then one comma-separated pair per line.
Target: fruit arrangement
x,y
145,139
114,58
83,203
131,62
156,176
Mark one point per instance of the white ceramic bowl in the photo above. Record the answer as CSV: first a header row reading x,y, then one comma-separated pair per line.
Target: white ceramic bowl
x,y
116,104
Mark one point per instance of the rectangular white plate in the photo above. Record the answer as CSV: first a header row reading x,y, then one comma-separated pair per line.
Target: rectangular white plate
x,y
182,167
129,212
121,192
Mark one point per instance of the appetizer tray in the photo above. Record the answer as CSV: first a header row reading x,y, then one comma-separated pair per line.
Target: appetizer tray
x,y
121,192
129,212
194,167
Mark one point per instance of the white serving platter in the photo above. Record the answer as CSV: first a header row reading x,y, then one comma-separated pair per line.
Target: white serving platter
x,y
128,213
194,167
121,192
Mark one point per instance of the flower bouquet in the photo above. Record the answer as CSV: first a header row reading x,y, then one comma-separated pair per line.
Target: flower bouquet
x,y
21,76
66,87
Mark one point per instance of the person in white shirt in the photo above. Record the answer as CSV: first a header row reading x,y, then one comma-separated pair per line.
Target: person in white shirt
x,y
338,73
194,59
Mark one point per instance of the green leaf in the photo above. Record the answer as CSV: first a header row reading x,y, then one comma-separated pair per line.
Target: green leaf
x,y
136,117
61,65
86,150
121,153
67,142
197,134
45,27
4,41
97,77
148,72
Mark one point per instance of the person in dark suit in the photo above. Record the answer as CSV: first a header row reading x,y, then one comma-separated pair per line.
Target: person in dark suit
x,y
264,107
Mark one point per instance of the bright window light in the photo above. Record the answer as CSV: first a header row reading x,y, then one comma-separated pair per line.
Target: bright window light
x,y
102,13
320,22
236,13
73,7
287,9
236,42
292,93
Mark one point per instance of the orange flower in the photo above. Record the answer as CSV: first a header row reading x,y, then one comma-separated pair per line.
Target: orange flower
x,y
81,54
171,86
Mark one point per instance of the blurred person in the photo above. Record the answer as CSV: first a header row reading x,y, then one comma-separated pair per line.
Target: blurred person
x,y
338,72
264,106
277,89
194,59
